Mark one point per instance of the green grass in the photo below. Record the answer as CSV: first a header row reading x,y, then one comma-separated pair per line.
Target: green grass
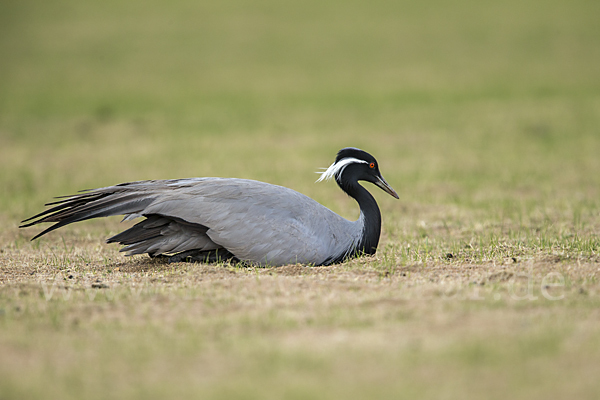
x,y
484,116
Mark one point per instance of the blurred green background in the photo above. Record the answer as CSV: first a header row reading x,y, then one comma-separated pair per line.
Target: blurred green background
x,y
465,102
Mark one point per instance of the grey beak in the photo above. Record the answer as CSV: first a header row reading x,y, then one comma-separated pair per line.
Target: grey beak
x,y
386,187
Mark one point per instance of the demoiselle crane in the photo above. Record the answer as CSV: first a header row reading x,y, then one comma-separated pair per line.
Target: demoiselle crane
x,y
210,219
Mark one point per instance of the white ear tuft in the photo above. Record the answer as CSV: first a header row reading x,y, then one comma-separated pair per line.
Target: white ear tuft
x,y
337,168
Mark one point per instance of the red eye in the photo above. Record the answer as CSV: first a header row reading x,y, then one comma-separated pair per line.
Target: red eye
x,y
372,165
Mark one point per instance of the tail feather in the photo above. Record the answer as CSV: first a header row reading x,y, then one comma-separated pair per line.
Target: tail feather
x,y
68,204
87,206
157,234
147,229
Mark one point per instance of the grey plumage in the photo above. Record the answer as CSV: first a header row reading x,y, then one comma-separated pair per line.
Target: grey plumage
x,y
257,222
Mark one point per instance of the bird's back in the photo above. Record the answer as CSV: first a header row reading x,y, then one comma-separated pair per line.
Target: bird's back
x,y
256,221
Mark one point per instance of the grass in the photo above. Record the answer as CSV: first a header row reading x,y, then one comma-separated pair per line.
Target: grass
x,y
484,117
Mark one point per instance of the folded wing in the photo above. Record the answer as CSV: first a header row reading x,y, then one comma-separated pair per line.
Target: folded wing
x,y
256,221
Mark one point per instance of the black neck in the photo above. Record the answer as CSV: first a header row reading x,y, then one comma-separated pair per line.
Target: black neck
x,y
371,217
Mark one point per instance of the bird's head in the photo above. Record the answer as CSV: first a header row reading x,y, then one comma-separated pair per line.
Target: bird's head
x,y
352,165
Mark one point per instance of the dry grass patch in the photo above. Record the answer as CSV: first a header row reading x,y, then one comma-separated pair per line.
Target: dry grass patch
x,y
79,319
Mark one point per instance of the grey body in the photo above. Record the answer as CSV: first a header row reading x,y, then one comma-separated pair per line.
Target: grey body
x,y
258,222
